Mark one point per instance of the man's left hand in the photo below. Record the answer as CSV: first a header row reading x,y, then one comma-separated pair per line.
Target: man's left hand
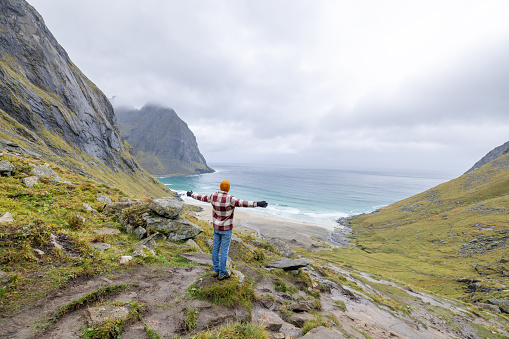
x,y
262,204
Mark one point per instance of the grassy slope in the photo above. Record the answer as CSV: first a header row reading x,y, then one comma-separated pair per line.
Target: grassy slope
x,y
431,239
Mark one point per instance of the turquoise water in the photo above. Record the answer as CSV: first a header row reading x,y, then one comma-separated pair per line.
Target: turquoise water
x,y
316,196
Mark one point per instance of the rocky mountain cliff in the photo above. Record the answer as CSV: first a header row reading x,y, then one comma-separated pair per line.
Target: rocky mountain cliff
x,y
163,144
48,106
495,153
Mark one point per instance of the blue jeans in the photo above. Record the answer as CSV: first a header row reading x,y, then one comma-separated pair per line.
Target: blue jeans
x,y
221,243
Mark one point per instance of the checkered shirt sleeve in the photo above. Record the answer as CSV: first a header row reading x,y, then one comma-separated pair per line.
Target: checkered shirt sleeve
x,y
223,207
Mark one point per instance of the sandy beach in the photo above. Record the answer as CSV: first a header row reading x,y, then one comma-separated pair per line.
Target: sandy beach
x,y
294,233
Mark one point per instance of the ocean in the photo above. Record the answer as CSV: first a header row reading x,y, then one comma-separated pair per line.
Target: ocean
x,y
315,196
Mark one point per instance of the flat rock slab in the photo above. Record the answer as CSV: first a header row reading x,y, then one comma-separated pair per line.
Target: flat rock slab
x,y
100,246
6,218
106,231
96,315
289,264
322,332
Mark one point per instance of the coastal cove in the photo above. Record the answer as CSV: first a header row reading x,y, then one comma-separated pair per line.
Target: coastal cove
x,y
310,196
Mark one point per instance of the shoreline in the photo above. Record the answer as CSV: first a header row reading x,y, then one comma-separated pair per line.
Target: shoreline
x,y
294,233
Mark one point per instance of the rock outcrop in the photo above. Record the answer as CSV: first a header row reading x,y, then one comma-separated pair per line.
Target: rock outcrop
x,y
50,109
163,144
495,153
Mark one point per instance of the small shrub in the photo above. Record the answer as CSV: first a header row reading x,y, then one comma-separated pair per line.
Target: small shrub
x,y
341,305
75,222
151,333
227,293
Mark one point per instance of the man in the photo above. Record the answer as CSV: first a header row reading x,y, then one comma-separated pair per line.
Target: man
x,y
223,206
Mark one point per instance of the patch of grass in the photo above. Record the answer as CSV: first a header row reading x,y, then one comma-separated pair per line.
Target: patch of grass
x,y
341,305
190,318
226,292
281,286
317,321
234,331
151,333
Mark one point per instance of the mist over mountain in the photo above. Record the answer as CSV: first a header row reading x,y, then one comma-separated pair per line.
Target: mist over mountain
x,y
162,143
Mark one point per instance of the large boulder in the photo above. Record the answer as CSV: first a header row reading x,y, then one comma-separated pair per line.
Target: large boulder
x,y
45,170
503,304
173,229
6,168
289,264
281,247
169,207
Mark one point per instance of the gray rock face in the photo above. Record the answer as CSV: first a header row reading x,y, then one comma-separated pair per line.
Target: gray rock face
x,y
168,207
281,247
42,89
289,264
163,144
100,246
103,198
495,153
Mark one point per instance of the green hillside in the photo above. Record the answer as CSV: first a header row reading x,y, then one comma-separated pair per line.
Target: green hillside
x,y
451,240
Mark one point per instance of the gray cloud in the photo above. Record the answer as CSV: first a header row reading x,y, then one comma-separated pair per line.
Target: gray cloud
x,y
327,83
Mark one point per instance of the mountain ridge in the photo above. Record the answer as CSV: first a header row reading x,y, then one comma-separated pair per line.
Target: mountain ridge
x,y
162,143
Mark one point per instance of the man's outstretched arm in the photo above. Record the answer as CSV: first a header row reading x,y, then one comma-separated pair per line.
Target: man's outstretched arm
x,y
246,203
197,196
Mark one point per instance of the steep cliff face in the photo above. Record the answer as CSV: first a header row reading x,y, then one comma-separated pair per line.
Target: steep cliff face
x,y
50,107
163,144
495,153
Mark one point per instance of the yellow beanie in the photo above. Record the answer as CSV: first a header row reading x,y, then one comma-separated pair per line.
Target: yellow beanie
x,y
225,186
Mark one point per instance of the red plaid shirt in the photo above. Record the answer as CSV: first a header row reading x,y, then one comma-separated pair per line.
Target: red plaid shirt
x,y
223,206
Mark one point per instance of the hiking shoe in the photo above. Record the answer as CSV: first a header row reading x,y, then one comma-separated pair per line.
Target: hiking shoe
x,y
215,274
223,277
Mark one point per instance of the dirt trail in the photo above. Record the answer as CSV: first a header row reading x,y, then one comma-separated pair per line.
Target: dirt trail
x,y
163,292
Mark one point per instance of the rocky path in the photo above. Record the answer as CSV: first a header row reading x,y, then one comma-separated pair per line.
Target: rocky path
x,y
163,292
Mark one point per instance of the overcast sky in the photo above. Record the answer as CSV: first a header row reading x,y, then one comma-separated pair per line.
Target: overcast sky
x,y
415,85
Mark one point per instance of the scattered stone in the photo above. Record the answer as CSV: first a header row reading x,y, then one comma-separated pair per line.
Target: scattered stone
x,y
6,168
94,316
100,246
298,319
126,200
240,276
38,251
210,243
54,242
193,243
139,232
489,307
267,302
125,259
88,208
273,326
118,206
4,277
281,247
322,332
146,245
103,198
45,171
169,207
300,307
31,181
106,231
502,303
6,218
289,264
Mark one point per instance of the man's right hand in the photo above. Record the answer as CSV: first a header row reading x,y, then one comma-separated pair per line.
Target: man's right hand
x,y
189,193
262,204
